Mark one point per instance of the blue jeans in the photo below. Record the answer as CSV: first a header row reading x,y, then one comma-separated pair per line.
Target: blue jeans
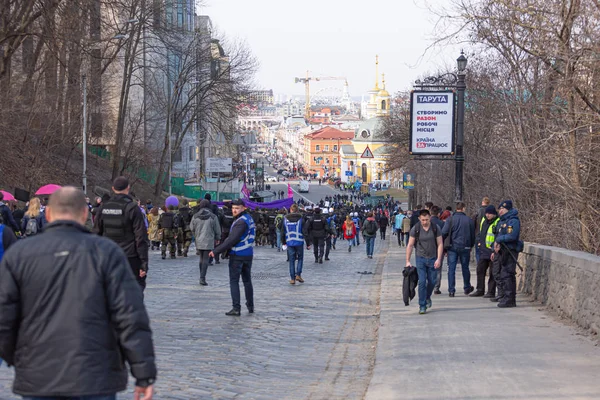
x,y
101,397
295,269
351,242
370,241
453,257
427,276
239,267
278,233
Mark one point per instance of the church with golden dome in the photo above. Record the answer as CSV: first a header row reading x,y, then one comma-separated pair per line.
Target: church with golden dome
x,y
365,158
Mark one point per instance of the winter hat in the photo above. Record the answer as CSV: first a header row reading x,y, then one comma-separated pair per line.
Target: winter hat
x,y
207,196
204,204
506,204
491,210
172,201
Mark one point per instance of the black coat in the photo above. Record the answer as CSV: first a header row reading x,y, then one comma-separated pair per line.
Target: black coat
x,y
411,281
71,314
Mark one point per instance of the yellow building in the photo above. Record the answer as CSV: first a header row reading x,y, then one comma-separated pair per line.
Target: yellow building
x,y
366,157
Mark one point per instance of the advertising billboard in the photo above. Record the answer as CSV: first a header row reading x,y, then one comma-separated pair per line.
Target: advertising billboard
x,y
432,122
408,181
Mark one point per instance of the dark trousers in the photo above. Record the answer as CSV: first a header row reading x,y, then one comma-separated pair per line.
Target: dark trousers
x,y
318,247
508,276
482,267
382,232
241,268
496,269
99,397
400,237
438,277
204,263
328,243
135,263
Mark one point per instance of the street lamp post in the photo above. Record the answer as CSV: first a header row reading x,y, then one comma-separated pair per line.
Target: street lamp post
x,y
84,83
461,86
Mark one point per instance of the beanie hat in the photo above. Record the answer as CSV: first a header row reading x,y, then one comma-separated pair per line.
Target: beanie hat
x,y
506,204
491,210
207,196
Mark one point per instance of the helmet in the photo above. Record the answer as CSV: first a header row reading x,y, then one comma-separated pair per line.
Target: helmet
x,y
331,209
355,214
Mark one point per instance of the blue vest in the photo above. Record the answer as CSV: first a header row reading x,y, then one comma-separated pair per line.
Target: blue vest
x,y
1,243
356,221
293,232
245,247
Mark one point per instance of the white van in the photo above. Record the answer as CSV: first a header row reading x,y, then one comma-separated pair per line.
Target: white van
x,y
304,186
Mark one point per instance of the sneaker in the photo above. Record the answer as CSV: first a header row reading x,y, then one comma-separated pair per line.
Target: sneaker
x,y
299,279
437,291
327,259
429,303
203,282
422,310
234,312
469,290
250,309
451,294
320,261
292,281
477,293
163,256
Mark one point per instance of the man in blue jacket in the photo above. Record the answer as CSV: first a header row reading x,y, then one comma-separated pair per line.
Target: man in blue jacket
x,y
461,230
507,249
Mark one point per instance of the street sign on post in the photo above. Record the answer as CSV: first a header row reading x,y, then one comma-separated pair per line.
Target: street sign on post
x,y
367,153
432,122
218,165
349,173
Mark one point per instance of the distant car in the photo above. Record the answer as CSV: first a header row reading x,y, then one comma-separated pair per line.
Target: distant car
x,y
304,186
270,178
286,173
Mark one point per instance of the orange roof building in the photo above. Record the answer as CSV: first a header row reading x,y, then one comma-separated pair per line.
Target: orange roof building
x,y
322,150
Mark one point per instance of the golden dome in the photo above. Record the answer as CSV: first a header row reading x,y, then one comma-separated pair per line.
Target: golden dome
x,y
383,93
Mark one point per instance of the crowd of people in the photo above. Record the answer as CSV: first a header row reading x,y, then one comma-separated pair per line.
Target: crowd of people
x,y
100,270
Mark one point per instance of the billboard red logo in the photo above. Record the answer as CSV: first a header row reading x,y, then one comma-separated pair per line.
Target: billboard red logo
x,y
421,145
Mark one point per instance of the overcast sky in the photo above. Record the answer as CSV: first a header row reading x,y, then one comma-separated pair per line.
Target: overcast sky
x,y
335,38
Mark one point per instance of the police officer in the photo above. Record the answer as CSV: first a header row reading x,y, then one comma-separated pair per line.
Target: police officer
x,y
317,230
241,245
184,236
507,247
120,219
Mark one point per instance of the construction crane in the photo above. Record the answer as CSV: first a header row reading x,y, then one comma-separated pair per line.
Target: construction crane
x,y
306,82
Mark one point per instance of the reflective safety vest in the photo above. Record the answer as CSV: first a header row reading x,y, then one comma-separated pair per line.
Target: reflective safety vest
x,y
356,221
245,247
490,237
293,232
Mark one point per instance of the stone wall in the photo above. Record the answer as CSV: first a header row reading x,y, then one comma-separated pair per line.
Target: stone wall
x,y
566,281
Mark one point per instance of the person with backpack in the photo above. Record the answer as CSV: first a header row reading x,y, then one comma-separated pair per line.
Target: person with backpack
x,y
331,232
184,234
34,220
292,236
369,231
426,239
349,230
167,228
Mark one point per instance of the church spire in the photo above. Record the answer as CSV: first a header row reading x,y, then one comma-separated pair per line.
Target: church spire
x,y
383,80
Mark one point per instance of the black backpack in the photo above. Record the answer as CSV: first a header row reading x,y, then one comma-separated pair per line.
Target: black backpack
x,y
318,224
371,227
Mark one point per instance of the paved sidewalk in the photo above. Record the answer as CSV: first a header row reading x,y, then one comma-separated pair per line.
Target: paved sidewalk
x,y
467,348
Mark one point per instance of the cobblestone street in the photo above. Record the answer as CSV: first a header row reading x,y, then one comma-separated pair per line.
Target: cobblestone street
x,y
309,341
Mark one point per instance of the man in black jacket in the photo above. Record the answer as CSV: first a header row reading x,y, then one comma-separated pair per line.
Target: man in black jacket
x,y
91,320
121,220
317,230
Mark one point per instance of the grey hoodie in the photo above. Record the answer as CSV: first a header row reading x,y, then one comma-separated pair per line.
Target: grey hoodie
x,y
206,228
